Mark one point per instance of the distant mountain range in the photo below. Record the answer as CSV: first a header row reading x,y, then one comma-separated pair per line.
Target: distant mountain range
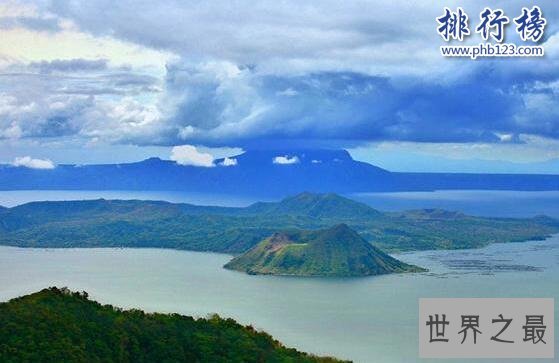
x,y
261,173
336,251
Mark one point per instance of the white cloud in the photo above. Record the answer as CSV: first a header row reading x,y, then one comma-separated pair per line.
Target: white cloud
x,y
29,45
354,37
194,75
13,131
286,160
229,162
314,161
29,162
288,92
506,137
186,132
189,155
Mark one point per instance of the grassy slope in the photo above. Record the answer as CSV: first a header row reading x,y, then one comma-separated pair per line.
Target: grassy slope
x,y
235,230
56,325
337,251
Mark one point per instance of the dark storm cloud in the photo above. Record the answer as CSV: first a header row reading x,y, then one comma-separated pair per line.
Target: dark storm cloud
x,y
353,106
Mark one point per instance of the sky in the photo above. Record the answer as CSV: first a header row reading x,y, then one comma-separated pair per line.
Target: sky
x,y
104,81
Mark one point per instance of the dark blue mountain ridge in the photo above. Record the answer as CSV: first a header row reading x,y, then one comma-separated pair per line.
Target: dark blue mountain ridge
x,y
262,173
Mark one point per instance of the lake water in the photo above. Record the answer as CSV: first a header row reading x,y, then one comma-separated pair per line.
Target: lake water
x,y
371,319
475,202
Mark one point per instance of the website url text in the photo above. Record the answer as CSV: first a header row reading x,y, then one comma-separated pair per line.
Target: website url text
x,y
491,50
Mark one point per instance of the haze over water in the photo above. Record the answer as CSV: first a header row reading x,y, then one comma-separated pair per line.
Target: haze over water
x,y
476,202
364,319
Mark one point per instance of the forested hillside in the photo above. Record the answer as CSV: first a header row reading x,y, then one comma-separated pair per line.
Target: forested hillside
x,y
57,325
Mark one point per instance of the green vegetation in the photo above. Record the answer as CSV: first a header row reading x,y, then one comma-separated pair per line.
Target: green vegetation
x,y
337,251
117,223
56,325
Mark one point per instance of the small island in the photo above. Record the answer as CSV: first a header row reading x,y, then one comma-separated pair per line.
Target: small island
x,y
338,252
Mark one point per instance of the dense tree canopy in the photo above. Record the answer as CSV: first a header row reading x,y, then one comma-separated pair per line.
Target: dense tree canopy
x,y
57,325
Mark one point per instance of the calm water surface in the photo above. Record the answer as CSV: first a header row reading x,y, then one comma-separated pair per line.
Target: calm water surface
x,y
475,202
371,319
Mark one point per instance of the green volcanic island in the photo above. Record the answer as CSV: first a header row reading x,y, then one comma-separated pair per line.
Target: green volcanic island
x,y
306,234
57,325
337,251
